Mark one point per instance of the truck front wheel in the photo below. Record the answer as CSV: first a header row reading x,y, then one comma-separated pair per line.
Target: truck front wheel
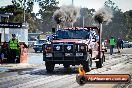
x,y
87,65
49,66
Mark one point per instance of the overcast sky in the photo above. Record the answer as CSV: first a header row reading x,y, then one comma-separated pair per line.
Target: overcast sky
x,y
95,4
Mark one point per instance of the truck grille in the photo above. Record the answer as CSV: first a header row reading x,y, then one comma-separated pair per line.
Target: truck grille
x,y
70,52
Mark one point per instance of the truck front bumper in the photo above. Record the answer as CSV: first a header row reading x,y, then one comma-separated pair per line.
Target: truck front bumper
x,y
62,57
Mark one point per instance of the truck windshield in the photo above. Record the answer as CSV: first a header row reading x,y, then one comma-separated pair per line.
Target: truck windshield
x,y
73,34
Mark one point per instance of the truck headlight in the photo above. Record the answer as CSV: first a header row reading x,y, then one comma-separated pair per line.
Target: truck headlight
x,y
68,47
57,47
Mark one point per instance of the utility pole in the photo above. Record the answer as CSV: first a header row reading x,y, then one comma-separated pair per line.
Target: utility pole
x,y
72,5
83,22
24,11
72,2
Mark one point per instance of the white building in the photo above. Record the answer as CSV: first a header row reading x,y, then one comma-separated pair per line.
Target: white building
x,y
4,32
21,33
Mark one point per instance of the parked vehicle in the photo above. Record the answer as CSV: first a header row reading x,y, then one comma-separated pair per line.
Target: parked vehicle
x,y
127,44
38,45
31,43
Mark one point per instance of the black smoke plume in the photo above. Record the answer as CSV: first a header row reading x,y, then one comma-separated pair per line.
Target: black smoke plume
x,y
66,14
103,15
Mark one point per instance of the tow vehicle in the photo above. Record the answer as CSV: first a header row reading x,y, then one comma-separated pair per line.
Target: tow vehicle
x,y
71,46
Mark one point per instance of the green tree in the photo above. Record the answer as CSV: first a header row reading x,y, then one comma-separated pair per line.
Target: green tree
x,y
87,15
117,27
30,4
47,8
128,19
29,15
17,13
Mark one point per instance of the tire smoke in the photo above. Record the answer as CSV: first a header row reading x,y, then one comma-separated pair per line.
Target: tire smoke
x,y
66,14
104,14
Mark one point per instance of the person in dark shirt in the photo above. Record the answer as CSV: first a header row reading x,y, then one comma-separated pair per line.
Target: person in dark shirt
x,y
121,44
112,43
118,44
4,49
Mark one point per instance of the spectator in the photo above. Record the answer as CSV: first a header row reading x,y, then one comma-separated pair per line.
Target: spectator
x,y
119,41
5,49
107,42
112,44
13,45
24,53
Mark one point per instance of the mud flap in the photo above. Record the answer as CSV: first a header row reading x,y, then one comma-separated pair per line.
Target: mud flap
x,y
87,65
99,64
103,58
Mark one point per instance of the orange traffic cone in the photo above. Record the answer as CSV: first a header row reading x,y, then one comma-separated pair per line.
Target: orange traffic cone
x,y
81,70
80,78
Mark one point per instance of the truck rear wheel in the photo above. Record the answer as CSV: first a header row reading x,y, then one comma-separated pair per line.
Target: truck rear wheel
x,y
49,66
87,65
99,63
